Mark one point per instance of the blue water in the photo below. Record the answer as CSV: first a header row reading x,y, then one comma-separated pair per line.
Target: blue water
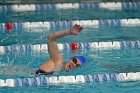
x,y
20,64
68,14
92,34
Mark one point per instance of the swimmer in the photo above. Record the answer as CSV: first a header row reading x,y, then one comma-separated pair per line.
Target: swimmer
x,y
56,62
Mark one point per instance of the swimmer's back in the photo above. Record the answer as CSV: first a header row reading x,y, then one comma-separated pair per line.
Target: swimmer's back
x,y
52,65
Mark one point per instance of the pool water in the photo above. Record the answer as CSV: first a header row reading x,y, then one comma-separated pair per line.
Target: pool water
x,y
99,61
103,33
67,14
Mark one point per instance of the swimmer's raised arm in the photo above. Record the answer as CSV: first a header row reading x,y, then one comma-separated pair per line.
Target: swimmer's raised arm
x,y
55,61
52,37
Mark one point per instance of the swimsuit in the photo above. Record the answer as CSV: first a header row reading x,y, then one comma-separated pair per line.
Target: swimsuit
x,y
41,72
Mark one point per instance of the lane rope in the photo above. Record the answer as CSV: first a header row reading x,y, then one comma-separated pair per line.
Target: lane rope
x,y
84,5
41,80
61,24
66,46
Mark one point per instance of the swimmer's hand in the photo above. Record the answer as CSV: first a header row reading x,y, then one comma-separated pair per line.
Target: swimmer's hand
x,y
75,29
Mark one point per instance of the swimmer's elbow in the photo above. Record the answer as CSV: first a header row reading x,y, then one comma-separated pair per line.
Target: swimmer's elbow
x,y
50,37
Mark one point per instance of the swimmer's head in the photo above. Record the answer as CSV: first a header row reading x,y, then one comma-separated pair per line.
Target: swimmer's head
x,y
75,61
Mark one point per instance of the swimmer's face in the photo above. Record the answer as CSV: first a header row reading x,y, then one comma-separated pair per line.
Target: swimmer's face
x,y
72,63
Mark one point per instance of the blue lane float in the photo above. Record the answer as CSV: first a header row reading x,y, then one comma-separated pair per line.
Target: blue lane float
x,y
68,24
84,5
66,46
42,80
